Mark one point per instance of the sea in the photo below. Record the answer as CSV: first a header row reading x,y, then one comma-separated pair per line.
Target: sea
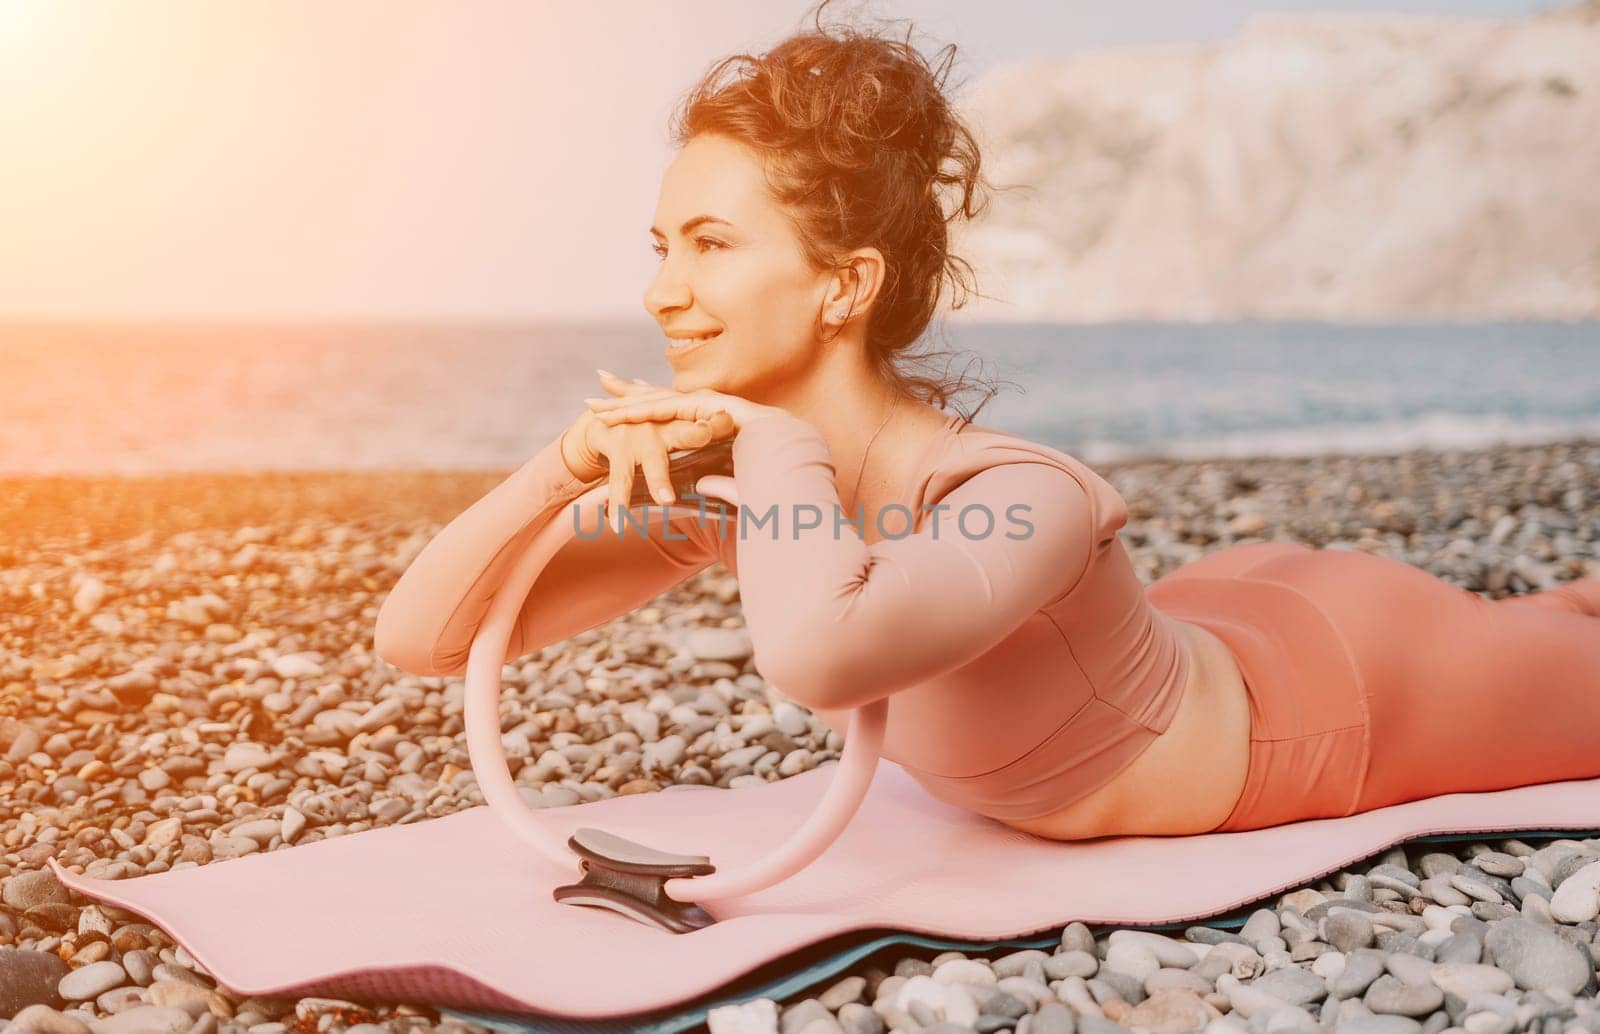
x,y
150,399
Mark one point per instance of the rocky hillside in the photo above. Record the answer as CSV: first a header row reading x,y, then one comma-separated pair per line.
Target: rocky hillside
x,y
1327,166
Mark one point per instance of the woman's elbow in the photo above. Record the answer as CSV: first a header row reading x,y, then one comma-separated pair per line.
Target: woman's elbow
x,y
816,678
400,648
396,655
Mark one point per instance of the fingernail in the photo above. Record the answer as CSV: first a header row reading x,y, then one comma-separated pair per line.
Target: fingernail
x,y
591,401
604,373
663,496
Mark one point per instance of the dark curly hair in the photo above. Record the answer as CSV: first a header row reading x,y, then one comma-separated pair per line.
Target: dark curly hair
x,y
858,142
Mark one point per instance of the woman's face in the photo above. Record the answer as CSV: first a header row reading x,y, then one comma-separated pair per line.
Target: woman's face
x,y
740,273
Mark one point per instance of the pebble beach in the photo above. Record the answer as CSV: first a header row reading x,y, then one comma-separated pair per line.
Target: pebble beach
x,y
187,676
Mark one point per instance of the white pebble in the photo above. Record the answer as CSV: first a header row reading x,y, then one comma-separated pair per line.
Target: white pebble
x,y
755,1017
296,666
92,980
1577,900
964,971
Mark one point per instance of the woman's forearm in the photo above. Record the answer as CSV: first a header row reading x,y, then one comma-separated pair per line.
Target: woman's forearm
x,y
426,623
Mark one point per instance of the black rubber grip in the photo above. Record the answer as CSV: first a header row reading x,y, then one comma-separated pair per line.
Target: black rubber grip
x,y
685,467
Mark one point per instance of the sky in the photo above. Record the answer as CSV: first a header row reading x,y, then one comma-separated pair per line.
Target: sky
x,y
490,160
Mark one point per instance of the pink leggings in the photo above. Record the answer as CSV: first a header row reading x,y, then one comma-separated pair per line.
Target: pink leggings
x,y
1373,682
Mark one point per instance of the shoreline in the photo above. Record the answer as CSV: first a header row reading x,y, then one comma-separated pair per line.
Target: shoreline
x,y
89,510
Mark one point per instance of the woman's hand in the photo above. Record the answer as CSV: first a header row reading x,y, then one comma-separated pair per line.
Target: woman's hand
x,y
666,404
619,449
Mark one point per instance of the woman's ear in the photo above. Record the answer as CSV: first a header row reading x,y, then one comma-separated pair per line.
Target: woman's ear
x,y
854,286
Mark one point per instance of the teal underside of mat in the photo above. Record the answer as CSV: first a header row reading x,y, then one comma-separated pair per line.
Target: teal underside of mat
x,y
783,978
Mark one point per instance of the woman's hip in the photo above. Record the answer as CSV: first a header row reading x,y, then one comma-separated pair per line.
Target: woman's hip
x,y
1309,722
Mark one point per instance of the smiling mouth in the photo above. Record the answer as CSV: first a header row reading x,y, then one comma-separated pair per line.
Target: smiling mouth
x,y
684,346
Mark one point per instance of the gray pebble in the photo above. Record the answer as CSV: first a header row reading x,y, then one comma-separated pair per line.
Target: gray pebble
x,y
1076,937
1005,1004
856,1018
1125,986
1497,863
1389,994
913,968
849,989
1347,930
1052,1018
1537,957
1016,963
1459,947
1361,968
1293,985
1379,1024
1394,872
1410,969
1439,889
1523,887
1071,964
1475,888
1348,904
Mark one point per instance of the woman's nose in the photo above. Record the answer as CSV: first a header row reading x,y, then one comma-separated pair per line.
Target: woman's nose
x,y
666,291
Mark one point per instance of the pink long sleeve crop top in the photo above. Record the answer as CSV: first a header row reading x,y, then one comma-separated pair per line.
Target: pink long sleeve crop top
x,y
1026,666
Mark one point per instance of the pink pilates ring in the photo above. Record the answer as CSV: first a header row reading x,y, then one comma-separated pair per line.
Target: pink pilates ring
x,y
655,887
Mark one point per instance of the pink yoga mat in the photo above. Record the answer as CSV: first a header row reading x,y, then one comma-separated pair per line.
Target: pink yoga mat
x,y
457,911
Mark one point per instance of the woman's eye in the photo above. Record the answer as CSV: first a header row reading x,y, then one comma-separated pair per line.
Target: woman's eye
x,y
661,249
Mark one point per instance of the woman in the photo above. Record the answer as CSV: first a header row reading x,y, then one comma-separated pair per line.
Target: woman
x,y
1032,677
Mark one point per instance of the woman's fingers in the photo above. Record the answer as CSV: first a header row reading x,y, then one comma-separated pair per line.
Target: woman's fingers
x,y
722,425
645,409
653,461
688,434
620,482
719,486
646,445
624,388
600,405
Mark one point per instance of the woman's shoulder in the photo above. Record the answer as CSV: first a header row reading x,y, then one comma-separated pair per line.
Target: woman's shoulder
x,y
970,449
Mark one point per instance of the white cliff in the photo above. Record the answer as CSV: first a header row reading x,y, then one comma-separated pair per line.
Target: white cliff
x,y
1330,166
